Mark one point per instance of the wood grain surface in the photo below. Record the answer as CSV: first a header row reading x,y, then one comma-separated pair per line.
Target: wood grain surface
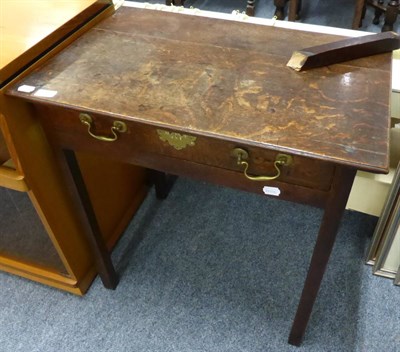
x,y
27,31
226,80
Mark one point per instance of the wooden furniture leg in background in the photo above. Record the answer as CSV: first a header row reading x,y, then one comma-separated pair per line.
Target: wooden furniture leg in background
x,y
279,9
392,10
250,8
334,209
358,14
294,10
174,2
162,183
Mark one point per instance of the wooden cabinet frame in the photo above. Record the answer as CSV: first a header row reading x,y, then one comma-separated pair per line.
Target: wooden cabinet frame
x,y
34,162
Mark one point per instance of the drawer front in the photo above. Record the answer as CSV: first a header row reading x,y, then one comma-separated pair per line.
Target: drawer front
x,y
144,139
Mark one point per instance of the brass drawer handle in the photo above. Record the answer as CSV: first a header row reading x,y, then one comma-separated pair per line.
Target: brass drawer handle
x,y
280,160
118,126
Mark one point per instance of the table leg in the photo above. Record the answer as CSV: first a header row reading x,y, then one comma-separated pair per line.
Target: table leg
x,y
334,209
162,183
101,254
358,14
279,9
250,8
392,10
294,10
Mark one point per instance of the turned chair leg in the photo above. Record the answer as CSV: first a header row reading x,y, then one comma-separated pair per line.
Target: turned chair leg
x,y
250,8
279,9
392,10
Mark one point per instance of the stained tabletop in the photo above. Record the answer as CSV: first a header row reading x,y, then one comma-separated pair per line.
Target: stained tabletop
x,y
227,80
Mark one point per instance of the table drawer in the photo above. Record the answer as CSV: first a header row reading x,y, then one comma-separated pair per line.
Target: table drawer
x,y
144,138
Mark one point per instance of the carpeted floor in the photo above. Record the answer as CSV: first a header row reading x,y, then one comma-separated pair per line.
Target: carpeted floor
x,y
211,270
216,270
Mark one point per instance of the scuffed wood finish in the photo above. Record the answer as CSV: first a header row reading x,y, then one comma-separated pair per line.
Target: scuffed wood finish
x,y
305,181
344,50
228,80
214,152
226,84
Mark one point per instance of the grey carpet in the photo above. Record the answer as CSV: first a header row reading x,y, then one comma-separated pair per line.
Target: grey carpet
x,y
212,269
215,270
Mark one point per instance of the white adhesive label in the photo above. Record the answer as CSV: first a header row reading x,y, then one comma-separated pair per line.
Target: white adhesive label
x,y
46,93
26,89
271,191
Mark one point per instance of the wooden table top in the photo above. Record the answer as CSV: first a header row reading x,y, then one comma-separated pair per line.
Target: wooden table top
x,y
27,28
227,80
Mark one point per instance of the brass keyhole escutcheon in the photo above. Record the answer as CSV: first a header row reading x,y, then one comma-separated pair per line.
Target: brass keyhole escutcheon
x,y
176,140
